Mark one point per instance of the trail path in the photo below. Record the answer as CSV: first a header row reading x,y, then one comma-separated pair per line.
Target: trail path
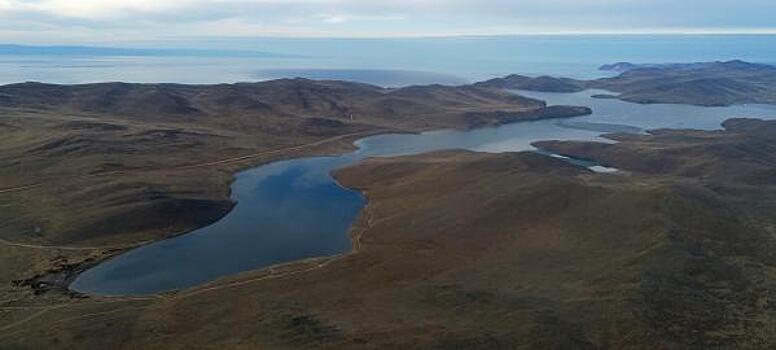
x,y
319,263
70,248
199,165
36,246
19,188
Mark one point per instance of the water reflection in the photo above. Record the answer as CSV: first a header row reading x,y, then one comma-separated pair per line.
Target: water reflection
x,y
291,210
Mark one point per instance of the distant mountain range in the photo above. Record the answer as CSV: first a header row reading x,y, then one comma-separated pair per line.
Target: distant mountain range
x,y
12,49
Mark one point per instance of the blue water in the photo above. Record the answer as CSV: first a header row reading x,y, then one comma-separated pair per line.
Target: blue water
x,y
291,210
439,59
286,211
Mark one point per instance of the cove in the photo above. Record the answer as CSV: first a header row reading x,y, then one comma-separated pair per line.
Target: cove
x,y
292,210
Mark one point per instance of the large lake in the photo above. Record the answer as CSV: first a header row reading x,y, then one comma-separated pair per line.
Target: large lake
x,y
291,210
392,62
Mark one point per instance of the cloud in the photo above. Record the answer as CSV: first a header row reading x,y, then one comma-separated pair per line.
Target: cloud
x,y
342,18
103,20
90,9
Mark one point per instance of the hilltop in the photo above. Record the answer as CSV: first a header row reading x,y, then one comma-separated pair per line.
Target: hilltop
x,y
704,83
113,165
518,250
268,104
454,250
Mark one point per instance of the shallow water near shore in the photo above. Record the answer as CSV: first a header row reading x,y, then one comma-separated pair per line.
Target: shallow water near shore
x,y
292,210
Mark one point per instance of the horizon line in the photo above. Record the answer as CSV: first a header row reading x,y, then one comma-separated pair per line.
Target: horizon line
x,y
770,32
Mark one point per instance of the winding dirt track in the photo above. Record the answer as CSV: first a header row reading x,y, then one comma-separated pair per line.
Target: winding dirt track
x,y
320,263
199,165
177,167
18,188
356,234
52,247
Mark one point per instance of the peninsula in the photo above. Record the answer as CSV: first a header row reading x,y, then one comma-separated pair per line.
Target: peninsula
x,y
703,84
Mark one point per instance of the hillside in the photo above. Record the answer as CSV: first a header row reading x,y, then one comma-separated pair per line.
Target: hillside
x,y
502,251
277,102
55,135
100,168
703,84
496,250
541,83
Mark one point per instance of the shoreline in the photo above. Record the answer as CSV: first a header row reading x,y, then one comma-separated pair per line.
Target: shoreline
x,y
39,284
353,146
340,150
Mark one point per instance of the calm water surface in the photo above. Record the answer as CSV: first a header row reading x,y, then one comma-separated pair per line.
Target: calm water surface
x,y
291,210
391,61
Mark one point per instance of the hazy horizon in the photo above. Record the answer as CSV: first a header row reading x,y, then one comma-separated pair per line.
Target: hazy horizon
x,y
377,61
209,41
99,22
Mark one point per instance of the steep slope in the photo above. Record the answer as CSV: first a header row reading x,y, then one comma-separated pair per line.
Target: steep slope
x,y
704,83
418,106
99,168
542,83
60,134
471,250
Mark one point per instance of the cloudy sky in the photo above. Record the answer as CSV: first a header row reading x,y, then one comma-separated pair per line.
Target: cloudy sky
x,y
103,21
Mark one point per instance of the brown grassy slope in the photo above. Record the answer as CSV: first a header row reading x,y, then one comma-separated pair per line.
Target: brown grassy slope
x,y
463,261
541,83
704,84
467,250
741,154
721,230
81,142
418,106
109,166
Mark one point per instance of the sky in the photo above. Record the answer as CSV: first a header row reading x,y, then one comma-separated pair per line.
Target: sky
x,y
106,21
